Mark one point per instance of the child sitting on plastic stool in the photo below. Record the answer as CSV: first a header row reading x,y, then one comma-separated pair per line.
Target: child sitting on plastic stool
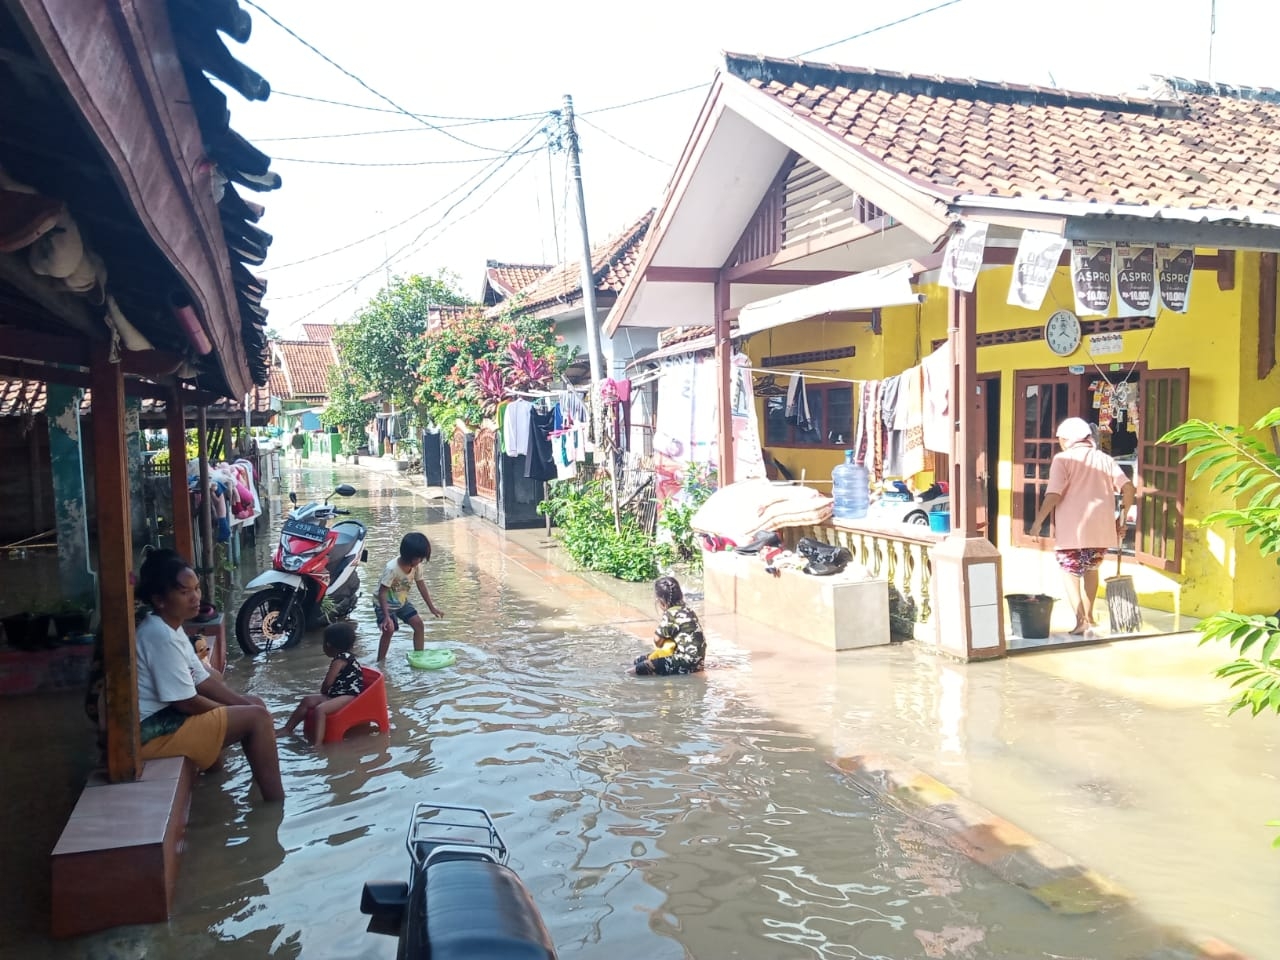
x,y
342,684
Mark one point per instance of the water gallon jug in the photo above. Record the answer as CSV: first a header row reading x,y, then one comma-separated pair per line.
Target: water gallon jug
x,y
850,489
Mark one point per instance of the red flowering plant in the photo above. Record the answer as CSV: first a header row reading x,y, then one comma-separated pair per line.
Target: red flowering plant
x,y
471,362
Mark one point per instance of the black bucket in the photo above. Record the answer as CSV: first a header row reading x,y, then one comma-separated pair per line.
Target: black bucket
x,y
1029,615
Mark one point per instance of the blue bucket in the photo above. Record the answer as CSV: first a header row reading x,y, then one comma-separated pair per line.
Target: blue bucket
x,y
940,521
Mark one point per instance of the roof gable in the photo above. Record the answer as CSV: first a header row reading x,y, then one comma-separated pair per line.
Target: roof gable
x,y
1196,146
503,280
612,262
305,366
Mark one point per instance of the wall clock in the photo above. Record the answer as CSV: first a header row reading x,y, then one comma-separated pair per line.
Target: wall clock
x,y
1062,332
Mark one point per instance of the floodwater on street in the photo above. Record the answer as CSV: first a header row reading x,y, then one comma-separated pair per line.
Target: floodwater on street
x,y
664,818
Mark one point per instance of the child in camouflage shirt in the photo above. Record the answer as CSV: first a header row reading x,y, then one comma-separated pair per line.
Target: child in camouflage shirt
x,y
679,644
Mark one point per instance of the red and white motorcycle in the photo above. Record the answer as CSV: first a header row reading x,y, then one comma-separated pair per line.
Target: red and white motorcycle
x,y
313,579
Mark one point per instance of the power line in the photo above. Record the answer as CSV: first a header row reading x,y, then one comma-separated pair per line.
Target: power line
x,y
517,147
616,139
883,26
463,121
381,96
405,163
636,103
400,253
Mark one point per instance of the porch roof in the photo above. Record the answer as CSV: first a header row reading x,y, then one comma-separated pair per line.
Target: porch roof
x,y
1195,163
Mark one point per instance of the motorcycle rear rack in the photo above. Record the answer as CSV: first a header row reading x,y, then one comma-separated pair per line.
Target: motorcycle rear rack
x,y
440,829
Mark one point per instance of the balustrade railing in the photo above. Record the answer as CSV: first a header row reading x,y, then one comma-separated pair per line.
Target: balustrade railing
x,y
901,554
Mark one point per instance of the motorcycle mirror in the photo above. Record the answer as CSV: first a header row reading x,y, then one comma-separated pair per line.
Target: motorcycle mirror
x,y
293,498
345,490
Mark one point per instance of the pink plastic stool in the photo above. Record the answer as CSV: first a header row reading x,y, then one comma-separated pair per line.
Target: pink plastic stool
x,y
370,706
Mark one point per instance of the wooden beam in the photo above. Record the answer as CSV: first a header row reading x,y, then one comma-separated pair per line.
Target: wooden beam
x,y
682,274
1266,314
724,381
964,454
206,502
1226,270
52,296
115,567
800,278
1004,256
807,248
176,425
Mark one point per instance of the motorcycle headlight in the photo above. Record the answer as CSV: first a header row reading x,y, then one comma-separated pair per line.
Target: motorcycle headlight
x,y
292,564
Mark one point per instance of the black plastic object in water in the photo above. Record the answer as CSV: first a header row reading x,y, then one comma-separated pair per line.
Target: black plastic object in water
x,y
1029,615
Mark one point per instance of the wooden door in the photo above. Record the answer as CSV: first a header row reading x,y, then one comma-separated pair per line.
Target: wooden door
x,y
1042,400
986,420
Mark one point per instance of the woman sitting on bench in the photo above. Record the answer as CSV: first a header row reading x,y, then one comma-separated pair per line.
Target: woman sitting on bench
x,y
185,711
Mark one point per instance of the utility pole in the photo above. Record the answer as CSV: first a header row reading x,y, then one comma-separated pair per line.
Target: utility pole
x,y
594,355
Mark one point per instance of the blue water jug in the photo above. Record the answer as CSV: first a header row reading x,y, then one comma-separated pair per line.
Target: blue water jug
x,y
850,489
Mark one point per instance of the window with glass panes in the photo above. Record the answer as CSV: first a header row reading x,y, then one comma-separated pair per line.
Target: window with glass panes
x,y
830,421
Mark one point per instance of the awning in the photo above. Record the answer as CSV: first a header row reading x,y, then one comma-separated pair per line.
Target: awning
x,y
884,287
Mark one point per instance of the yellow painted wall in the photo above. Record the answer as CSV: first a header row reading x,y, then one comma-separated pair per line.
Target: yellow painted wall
x,y
1216,340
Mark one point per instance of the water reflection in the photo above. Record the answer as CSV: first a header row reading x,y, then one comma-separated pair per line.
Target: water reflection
x,y
668,818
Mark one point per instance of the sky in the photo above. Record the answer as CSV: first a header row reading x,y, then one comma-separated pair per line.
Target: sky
x,y
472,177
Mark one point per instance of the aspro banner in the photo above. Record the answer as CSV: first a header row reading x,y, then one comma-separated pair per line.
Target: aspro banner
x,y
1136,280
1174,266
1034,267
963,257
1091,277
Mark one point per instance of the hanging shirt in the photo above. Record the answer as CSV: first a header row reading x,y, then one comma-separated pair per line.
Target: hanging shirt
x,y
541,464
939,425
515,429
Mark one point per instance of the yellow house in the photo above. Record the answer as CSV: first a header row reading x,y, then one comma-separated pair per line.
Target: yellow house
x,y
798,176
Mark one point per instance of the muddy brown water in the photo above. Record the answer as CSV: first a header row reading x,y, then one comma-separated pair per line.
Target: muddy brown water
x,y
666,818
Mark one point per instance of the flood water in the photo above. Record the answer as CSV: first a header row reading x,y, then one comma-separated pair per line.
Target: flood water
x,y
657,818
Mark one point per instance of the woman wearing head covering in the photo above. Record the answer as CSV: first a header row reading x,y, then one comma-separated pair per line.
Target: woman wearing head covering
x,y
1083,482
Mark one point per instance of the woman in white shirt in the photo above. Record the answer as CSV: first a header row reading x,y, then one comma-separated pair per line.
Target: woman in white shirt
x,y
185,710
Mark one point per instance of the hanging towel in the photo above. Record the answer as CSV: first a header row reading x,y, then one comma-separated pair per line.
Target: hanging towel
x,y
793,385
939,425
894,438
541,464
515,429
914,457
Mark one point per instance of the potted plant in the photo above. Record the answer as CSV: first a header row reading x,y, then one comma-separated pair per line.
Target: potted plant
x,y
70,617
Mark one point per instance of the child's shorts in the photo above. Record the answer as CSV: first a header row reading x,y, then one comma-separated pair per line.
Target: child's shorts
x,y
664,667
403,613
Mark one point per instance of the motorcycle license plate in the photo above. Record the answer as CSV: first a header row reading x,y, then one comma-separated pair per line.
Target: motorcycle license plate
x,y
305,531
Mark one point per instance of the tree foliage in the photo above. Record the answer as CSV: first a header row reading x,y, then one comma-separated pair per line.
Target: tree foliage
x,y
383,346
469,361
1245,467
345,410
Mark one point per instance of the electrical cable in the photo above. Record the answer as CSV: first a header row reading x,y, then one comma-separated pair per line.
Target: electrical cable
x,y
381,96
404,163
401,252
465,121
616,139
883,26
518,146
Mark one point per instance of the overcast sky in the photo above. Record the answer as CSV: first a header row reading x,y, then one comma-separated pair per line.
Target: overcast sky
x,y
498,59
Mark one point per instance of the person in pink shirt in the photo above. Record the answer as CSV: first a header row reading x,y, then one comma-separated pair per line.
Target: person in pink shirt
x,y
1083,482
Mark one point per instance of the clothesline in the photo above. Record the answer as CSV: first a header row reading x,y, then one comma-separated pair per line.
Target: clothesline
x,y
801,373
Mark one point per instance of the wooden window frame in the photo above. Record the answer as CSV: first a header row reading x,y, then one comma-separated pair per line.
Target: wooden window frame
x,y
1017,460
1160,475
811,388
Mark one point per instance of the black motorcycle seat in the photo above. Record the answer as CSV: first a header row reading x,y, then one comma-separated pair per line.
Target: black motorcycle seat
x,y
479,910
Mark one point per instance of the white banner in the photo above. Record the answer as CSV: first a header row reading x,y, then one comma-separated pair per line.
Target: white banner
x,y
1034,267
748,457
1136,280
1175,268
962,260
1091,277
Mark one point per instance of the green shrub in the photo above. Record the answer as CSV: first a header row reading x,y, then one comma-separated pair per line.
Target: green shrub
x,y
584,516
677,514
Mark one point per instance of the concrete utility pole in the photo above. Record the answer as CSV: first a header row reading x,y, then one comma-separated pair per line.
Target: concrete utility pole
x,y
594,355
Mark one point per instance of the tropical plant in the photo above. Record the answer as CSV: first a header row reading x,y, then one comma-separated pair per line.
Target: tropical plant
x,y
344,409
457,378
584,515
677,513
1245,467
383,346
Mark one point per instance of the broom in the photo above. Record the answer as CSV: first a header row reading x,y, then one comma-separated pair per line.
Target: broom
x,y
1122,602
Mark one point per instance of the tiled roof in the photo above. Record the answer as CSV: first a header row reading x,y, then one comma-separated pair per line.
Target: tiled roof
x,y
306,367
22,397
506,278
1198,146
611,261
673,335
318,332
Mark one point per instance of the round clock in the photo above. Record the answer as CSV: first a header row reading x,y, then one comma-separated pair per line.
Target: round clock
x,y
1062,332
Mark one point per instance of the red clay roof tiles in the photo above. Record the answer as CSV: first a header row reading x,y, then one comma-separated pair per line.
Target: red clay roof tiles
x,y
612,263
305,367
1199,146
507,278
318,332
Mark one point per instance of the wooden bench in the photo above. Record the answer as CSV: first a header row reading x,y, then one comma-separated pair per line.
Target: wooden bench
x,y
116,861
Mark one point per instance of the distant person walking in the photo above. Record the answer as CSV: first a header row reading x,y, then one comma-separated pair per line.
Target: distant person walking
x,y
297,442
1083,482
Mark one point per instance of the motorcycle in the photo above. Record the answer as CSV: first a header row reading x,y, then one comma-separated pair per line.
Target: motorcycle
x,y
313,579
462,901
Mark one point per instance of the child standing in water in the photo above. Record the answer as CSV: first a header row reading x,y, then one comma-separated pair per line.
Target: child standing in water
x,y
679,644
341,684
392,604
